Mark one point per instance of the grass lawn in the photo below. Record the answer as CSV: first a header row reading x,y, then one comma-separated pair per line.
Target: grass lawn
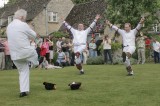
x,y
102,85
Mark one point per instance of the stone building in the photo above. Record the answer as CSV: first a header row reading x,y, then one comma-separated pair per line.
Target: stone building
x,y
46,16
43,15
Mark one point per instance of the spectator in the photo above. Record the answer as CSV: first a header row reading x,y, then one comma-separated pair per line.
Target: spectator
x,y
141,48
98,43
85,55
8,61
50,51
39,40
47,43
65,49
58,44
61,60
156,48
45,65
92,48
38,49
2,56
107,49
33,44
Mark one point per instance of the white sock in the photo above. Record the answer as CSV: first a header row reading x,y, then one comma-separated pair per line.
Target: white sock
x,y
82,70
131,72
77,60
127,62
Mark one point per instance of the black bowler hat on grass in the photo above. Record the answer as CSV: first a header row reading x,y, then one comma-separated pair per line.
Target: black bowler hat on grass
x,y
74,85
49,86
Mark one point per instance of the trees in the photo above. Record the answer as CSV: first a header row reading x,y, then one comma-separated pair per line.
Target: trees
x,y
11,2
121,11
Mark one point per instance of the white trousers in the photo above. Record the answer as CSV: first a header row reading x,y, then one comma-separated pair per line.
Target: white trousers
x,y
23,69
129,49
79,48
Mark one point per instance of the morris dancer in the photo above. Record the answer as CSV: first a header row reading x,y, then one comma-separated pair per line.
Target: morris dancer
x,y
79,40
128,37
19,34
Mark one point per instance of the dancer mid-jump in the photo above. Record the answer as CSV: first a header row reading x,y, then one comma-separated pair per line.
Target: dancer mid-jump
x,y
128,37
79,40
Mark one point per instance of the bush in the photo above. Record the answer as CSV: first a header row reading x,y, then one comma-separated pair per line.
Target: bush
x,y
59,34
95,61
116,46
55,57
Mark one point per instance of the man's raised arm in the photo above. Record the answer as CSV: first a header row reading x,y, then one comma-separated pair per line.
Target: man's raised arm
x,y
68,26
90,28
113,27
139,26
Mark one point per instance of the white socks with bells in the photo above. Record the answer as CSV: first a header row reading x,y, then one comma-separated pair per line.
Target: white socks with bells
x,y
128,66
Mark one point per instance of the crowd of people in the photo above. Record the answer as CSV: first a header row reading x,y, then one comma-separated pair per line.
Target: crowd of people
x,y
62,49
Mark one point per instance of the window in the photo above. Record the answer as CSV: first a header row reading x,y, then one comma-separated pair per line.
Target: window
x,y
10,19
52,17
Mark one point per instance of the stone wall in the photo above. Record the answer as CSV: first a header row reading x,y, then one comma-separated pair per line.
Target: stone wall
x,y
62,7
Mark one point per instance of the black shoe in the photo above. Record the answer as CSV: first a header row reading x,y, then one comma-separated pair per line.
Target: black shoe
x,y
22,94
81,72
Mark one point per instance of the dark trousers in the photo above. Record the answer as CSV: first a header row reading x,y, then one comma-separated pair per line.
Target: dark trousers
x,y
99,52
47,57
107,53
8,62
156,57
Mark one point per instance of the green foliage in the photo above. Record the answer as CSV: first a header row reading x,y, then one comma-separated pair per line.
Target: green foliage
x,y
12,2
81,1
59,34
121,11
116,46
102,85
154,35
55,56
95,61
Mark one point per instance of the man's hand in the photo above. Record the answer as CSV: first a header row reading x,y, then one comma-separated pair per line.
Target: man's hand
x,y
142,20
98,17
108,23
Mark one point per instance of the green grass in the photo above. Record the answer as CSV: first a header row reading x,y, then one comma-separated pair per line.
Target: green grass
x,y
102,85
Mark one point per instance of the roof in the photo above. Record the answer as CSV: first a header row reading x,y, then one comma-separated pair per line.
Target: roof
x,y
86,12
33,7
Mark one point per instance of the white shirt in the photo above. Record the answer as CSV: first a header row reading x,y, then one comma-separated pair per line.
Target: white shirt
x,y
18,34
128,37
107,45
92,46
80,37
58,44
156,46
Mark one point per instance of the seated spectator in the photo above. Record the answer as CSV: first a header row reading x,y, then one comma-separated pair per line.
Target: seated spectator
x,y
65,49
61,60
45,65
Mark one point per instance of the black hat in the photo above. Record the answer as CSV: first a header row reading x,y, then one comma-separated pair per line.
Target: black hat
x,y
74,85
49,86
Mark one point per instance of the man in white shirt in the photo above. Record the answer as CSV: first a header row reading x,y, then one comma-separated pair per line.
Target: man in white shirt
x,y
19,34
79,40
156,48
128,37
